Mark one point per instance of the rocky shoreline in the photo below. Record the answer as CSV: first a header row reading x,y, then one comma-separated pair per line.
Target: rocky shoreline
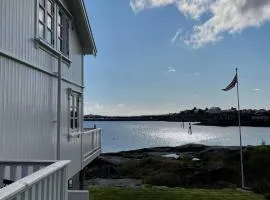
x,y
191,165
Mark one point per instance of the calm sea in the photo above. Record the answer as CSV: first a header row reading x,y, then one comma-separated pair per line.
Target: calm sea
x,y
119,136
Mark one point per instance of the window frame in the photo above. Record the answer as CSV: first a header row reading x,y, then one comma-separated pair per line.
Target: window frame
x,y
49,32
64,32
74,111
43,5
52,16
40,22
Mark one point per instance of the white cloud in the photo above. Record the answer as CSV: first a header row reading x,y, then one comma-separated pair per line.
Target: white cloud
x,y
120,105
125,110
256,90
139,5
191,8
171,69
91,108
223,16
171,105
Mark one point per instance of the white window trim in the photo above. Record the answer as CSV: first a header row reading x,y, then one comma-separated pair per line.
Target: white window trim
x,y
52,48
77,131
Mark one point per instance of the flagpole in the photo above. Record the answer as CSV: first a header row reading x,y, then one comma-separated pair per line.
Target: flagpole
x,y
240,134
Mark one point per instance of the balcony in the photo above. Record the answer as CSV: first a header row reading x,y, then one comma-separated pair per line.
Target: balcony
x,y
33,180
39,180
91,145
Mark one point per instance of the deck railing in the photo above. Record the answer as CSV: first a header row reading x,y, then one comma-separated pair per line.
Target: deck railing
x,y
36,180
91,144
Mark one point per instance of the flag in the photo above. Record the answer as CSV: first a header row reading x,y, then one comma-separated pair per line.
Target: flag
x,y
229,87
232,84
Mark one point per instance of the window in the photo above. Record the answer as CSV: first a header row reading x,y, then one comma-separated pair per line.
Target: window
x,y
41,19
62,33
47,19
74,110
50,23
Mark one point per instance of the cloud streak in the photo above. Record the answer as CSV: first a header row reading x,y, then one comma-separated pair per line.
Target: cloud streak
x,y
176,36
121,109
256,90
171,69
223,16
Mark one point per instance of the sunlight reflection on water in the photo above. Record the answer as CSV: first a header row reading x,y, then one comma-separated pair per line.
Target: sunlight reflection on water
x,y
118,136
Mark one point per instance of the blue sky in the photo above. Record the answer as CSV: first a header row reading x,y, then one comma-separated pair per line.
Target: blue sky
x,y
161,56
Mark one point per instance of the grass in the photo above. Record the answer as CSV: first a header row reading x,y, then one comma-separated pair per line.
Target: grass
x,y
101,193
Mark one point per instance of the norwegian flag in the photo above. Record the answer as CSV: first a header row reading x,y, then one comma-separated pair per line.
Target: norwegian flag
x,y
232,84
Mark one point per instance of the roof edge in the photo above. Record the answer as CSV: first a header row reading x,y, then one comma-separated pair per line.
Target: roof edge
x,y
94,51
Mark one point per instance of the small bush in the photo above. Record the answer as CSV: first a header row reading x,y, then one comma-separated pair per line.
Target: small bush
x,y
257,170
267,196
165,179
261,186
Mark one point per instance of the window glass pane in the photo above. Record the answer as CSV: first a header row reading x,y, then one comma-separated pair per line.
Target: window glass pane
x,y
59,18
75,112
77,102
71,112
49,7
76,125
71,124
49,36
72,100
59,31
59,44
67,37
41,15
41,30
49,22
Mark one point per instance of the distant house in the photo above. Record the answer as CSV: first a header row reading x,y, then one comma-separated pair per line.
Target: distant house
x,y
261,118
42,49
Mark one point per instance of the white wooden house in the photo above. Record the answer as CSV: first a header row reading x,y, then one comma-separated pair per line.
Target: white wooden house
x,y
42,49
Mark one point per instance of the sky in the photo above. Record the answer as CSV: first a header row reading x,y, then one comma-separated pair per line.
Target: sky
x,y
164,56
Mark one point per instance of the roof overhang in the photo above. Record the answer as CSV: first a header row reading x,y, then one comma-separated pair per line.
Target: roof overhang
x,y
81,20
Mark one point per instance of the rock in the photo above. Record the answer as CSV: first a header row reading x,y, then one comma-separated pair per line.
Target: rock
x,y
190,148
114,160
217,151
172,155
115,182
197,166
101,172
164,188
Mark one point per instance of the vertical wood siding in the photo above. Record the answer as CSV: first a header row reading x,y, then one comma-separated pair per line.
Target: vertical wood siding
x,y
28,112
28,97
70,146
17,37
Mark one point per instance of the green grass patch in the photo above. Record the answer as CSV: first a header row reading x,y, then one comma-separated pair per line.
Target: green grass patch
x,y
109,193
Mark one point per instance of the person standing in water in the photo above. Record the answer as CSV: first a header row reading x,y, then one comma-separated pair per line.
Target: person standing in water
x,y
189,129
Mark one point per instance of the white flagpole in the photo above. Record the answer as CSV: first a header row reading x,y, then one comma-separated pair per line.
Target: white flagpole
x,y
240,134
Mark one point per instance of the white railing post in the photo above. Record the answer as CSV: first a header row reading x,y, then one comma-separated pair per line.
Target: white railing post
x,y
91,145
